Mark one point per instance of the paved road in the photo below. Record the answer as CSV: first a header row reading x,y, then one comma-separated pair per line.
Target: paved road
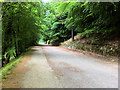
x,y
53,67
32,72
81,71
40,74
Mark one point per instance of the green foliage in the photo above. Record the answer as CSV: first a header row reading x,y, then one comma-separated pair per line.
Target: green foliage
x,y
24,24
87,33
94,40
4,70
89,18
20,28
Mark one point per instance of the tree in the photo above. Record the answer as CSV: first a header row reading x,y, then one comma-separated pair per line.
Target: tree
x,y
21,28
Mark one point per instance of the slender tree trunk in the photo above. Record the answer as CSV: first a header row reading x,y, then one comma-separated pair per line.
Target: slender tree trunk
x,y
17,46
72,32
46,42
16,40
7,58
2,38
3,58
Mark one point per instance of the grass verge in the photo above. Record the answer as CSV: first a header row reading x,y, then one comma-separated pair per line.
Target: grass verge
x,y
4,70
9,66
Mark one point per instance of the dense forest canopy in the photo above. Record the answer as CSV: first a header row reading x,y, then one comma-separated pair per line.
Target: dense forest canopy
x,y
83,17
25,23
21,27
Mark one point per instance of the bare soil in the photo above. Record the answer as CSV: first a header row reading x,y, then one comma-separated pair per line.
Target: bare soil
x,y
15,75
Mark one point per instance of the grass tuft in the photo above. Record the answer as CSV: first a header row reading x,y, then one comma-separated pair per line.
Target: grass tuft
x,y
4,70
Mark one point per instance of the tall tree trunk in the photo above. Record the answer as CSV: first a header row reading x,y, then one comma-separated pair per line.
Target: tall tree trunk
x,y
72,33
16,34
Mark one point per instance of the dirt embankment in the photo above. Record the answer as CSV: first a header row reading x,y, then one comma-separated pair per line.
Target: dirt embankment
x,y
109,48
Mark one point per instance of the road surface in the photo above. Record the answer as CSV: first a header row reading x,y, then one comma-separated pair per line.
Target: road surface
x,y
81,71
54,67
